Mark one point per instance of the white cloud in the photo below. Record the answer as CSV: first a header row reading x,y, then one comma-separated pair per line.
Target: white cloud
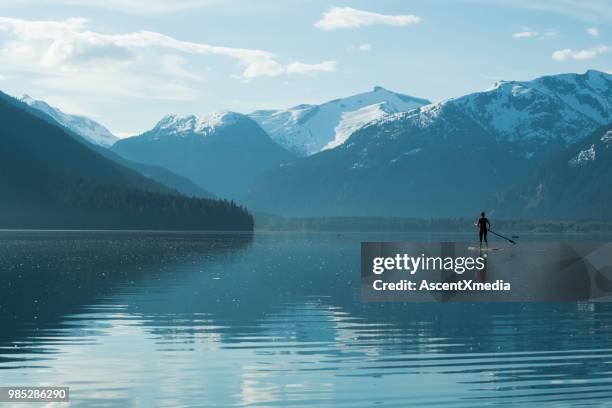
x,y
311,69
525,34
529,33
562,55
594,31
360,47
69,47
131,6
589,53
347,17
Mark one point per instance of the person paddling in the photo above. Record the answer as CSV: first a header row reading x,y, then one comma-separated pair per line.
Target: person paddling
x,y
483,226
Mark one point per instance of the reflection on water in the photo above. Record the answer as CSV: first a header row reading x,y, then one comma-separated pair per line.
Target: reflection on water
x,y
134,319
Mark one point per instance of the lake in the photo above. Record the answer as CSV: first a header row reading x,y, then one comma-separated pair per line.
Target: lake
x,y
274,320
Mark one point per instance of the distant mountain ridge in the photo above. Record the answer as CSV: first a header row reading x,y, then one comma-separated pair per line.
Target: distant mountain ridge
x,y
89,129
576,183
224,151
382,153
307,129
448,159
79,124
50,179
182,185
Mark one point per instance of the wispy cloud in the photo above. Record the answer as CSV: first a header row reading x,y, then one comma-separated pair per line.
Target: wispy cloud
x,y
360,47
525,34
594,31
69,47
347,17
311,69
586,54
129,7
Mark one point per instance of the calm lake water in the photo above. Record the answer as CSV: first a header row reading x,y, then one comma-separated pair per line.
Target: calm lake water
x,y
274,320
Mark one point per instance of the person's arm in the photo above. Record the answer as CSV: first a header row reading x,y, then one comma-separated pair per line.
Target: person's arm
x,y
488,224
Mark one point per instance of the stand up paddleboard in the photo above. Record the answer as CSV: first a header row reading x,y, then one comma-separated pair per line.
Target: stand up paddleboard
x,y
484,249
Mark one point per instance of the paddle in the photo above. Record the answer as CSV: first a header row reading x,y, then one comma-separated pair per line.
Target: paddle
x,y
501,236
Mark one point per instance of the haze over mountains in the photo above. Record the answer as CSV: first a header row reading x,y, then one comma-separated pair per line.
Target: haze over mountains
x,y
224,151
49,179
518,149
573,184
101,139
447,159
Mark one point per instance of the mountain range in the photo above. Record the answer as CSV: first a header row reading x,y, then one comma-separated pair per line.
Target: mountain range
x,y
100,139
50,179
528,149
223,151
447,159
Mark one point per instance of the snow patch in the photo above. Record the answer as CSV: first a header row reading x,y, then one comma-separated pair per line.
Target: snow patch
x,y
183,125
354,120
528,155
410,152
583,157
88,129
607,138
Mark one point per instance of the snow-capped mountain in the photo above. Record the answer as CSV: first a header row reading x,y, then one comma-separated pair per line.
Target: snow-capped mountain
x,y
89,129
100,140
186,125
222,151
307,129
564,107
448,158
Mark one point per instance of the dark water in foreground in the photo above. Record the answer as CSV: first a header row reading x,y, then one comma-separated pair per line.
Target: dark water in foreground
x,y
134,319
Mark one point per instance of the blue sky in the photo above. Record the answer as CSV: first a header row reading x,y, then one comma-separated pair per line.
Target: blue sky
x,y
128,63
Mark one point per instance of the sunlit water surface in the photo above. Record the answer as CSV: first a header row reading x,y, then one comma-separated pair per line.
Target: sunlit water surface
x,y
162,319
